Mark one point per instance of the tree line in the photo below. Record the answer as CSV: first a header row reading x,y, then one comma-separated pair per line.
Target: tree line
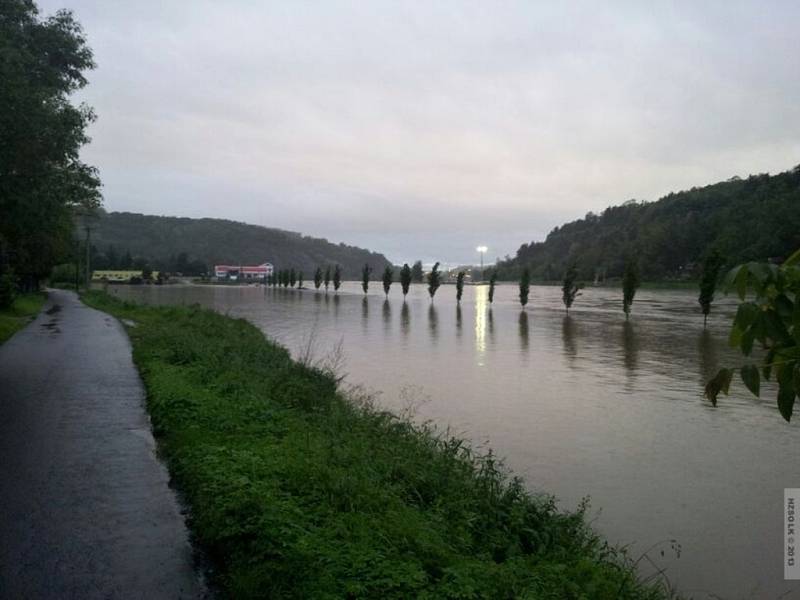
x,y
752,219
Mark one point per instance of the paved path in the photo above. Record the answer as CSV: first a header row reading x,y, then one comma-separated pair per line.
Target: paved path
x,y
85,507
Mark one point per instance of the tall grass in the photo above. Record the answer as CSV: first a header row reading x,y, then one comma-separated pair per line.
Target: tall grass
x,y
296,491
19,314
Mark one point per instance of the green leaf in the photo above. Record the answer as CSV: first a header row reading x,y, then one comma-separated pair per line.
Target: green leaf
x,y
794,259
720,383
750,377
786,402
730,277
741,281
760,271
786,389
796,378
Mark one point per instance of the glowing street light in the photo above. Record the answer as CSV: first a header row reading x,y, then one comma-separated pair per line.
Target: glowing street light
x,y
481,250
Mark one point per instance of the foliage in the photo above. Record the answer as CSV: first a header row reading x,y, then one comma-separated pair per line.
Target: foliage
x,y
388,278
405,278
569,288
770,317
416,272
327,277
492,283
630,283
434,280
337,278
299,279
708,282
748,219
366,271
524,286
292,277
460,285
219,241
318,278
19,313
296,491
8,289
43,182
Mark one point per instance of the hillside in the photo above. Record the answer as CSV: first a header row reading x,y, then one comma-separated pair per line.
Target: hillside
x,y
745,219
162,240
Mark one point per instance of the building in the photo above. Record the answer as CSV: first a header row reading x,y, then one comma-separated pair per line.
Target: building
x,y
237,272
120,276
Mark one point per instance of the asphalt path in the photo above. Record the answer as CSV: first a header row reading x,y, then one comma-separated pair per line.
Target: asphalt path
x,y
86,510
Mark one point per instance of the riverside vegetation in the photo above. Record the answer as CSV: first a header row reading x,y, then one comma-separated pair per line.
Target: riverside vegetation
x,y
297,490
20,310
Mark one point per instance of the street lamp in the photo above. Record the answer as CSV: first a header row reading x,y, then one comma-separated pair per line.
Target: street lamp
x,y
481,250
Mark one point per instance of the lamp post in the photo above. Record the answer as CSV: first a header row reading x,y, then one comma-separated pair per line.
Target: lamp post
x,y
481,250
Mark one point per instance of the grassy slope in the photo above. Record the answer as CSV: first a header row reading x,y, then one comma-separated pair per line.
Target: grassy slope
x,y
25,307
296,492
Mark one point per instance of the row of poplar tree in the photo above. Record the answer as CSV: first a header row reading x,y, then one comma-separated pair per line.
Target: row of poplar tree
x,y
570,288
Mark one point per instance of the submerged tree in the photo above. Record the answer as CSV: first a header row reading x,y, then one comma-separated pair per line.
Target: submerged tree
x,y
388,278
317,278
492,282
630,283
366,271
460,285
327,277
708,282
416,272
569,288
524,286
771,318
299,279
337,278
434,280
292,277
405,278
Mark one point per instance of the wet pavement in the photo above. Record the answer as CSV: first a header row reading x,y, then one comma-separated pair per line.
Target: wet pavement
x,y
86,510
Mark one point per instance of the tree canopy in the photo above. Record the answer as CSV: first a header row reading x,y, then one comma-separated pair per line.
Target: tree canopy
x,y
43,182
756,218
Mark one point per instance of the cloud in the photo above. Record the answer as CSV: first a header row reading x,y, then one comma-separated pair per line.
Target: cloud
x,y
426,128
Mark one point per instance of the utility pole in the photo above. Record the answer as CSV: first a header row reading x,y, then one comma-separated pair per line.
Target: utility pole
x,y
88,256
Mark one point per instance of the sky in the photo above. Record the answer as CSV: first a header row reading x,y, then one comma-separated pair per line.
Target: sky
x,y
424,129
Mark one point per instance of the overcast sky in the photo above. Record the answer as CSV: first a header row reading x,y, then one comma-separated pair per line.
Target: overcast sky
x,y
422,129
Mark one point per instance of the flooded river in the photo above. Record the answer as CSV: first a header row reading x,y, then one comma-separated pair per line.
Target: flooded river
x,y
585,405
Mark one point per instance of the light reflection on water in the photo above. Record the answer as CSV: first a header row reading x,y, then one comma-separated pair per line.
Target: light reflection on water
x,y
585,404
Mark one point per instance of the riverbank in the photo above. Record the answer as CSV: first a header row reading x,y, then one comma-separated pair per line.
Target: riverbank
x,y
296,491
20,313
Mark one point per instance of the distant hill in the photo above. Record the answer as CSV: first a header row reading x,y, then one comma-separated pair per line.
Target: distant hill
x,y
162,240
745,219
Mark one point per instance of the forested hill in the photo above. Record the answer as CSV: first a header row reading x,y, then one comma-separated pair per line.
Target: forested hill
x,y
217,241
745,219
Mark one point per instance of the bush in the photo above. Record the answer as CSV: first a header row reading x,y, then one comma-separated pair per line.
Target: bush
x,y
8,289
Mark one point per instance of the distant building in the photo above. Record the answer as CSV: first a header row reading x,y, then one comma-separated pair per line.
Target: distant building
x,y
120,276
236,272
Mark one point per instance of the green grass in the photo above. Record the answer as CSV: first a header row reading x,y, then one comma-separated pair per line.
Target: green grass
x,y
298,492
14,318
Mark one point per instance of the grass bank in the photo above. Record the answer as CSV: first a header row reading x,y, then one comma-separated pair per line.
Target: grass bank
x,y
298,492
20,313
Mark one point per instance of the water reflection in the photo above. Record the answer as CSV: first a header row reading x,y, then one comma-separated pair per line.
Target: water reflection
x,y
708,360
459,321
630,345
480,323
387,315
433,320
523,330
568,337
490,326
405,319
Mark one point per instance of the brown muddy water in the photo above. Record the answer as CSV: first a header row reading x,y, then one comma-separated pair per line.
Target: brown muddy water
x,y
585,405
